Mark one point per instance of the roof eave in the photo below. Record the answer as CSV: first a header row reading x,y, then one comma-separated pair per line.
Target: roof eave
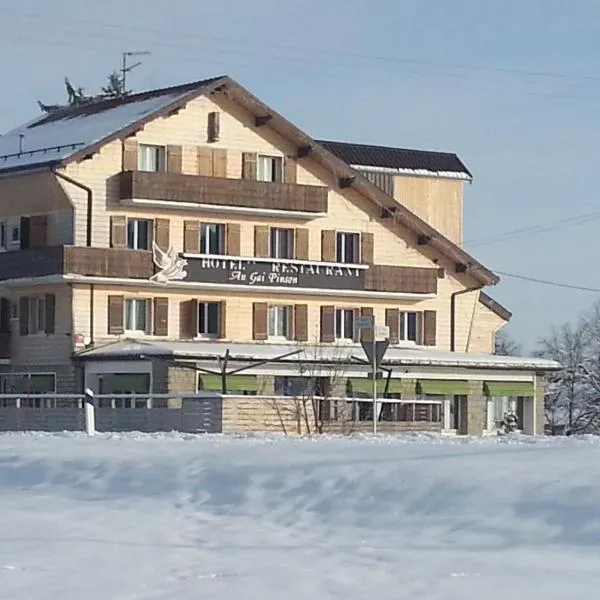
x,y
495,306
255,106
33,167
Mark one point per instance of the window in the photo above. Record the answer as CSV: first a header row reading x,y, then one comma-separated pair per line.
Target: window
x,y
301,386
282,243
270,168
209,316
280,321
37,314
28,383
348,247
212,238
344,323
410,326
15,235
137,314
139,234
151,158
3,233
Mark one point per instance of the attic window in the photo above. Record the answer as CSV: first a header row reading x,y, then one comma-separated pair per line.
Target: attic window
x,y
214,127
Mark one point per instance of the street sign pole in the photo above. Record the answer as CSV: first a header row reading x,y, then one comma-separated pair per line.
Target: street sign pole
x,y
375,413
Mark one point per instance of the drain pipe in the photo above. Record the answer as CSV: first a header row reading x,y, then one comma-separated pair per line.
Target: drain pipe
x,y
453,313
88,191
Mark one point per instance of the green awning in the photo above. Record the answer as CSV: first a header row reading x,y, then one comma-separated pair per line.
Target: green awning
x,y
210,383
513,389
362,385
242,383
442,387
396,386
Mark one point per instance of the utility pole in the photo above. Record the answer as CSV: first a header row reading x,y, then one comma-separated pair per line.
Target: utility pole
x,y
125,68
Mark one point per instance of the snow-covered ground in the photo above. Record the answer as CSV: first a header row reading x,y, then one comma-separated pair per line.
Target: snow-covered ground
x,y
183,517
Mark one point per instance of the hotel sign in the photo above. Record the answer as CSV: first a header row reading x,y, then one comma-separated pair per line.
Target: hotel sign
x,y
259,273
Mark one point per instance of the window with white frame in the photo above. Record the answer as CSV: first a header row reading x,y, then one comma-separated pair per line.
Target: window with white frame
x,y
410,327
348,247
209,318
137,314
212,238
152,158
344,324
37,314
281,243
280,321
139,234
270,168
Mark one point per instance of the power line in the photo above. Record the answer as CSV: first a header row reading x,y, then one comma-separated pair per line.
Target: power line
x,y
551,283
312,49
536,229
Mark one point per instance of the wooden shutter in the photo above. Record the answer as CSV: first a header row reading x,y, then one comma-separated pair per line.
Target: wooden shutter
x,y
233,239
429,328
188,319
249,162
301,322
50,313
290,170
205,161
328,238
38,231
191,237
161,316
118,231
367,248
261,241
214,126
222,319
162,233
301,243
392,320
327,323
130,155
174,159
24,315
260,321
115,314
219,164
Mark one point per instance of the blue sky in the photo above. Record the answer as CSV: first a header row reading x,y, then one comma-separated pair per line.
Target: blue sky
x,y
512,87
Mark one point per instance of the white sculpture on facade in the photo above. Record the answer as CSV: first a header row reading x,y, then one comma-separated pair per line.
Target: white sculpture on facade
x,y
171,265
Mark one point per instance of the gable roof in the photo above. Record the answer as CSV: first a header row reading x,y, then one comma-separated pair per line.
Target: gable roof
x,y
53,138
495,306
401,160
75,132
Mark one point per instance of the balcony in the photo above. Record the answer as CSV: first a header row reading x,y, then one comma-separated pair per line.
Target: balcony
x,y
218,191
77,260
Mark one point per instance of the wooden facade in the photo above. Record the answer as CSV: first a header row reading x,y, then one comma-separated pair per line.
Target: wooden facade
x,y
79,256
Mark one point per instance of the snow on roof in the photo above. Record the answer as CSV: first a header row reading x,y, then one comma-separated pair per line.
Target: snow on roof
x,y
54,137
417,355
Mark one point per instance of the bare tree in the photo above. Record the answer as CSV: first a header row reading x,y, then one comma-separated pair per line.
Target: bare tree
x,y
312,400
504,345
573,393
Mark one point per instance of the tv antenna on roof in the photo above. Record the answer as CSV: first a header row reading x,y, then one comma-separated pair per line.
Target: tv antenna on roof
x,y
125,68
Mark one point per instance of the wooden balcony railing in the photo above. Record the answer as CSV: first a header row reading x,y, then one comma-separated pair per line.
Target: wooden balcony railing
x,y
200,189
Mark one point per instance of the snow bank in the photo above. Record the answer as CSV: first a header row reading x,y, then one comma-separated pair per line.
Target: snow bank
x,y
172,516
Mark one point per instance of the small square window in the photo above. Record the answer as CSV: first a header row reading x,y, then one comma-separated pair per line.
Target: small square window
x,y
152,158
270,168
139,234
212,238
137,314
348,247
280,322
281,243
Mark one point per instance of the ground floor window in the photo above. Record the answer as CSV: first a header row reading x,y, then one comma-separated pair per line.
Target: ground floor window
x,y
500,406
28,383
301,386
124,383
396,412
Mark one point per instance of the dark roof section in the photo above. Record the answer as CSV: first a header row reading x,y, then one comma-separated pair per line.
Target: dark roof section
x,y
494,306
92,108
396,158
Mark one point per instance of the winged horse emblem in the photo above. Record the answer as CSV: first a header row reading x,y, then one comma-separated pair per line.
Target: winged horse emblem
x,y
171,265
